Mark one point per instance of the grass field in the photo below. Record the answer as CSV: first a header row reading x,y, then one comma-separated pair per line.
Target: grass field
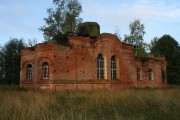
x,y
128,104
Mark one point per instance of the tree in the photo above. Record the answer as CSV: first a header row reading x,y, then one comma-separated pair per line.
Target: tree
x,y
153,43
62,19
168,46
32,42
136,36
117,33
10,61
1,65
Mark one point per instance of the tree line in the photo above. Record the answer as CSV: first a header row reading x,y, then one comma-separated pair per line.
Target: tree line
x,y
63,20
165,45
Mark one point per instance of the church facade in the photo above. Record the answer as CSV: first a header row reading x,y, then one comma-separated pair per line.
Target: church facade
x,y
89,64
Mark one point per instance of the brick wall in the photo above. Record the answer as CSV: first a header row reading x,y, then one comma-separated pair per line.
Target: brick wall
x,y
75,66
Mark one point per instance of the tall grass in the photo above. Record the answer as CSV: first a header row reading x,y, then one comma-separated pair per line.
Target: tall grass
x,y
128,104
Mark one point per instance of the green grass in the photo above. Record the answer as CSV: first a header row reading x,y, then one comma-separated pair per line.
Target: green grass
x,y
128,104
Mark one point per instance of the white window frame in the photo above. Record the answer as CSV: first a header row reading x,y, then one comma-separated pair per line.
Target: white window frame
x,y
113,69
45,71
100,67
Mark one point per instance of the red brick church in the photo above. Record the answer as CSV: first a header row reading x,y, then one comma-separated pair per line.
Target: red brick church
x,y
89,63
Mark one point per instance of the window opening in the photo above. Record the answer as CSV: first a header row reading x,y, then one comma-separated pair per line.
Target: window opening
x,y
45,71
150,74
29,72
100,67
113,68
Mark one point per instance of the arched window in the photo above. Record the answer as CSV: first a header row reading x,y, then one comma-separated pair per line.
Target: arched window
x,y
45,70
100,67
29,72
113,68
138,72
150,74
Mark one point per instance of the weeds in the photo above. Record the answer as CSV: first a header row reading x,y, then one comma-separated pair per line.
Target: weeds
x,y
128,104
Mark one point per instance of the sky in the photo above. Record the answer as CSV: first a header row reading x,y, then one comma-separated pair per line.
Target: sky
x,y
22,18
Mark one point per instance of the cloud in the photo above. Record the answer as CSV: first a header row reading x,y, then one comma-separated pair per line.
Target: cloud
x,y
154,14
147,10
23,18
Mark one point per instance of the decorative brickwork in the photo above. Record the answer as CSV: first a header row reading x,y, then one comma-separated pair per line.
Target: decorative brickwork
x,y
77,66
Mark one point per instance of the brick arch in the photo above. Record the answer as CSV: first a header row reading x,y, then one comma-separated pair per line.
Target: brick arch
x,y
115,43
26,63
42,60
115,56
108,37
149,68
140,67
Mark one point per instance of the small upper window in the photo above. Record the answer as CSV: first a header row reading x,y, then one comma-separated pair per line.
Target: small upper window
x,y
150,74
100,67
29,72
45,70
113,68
